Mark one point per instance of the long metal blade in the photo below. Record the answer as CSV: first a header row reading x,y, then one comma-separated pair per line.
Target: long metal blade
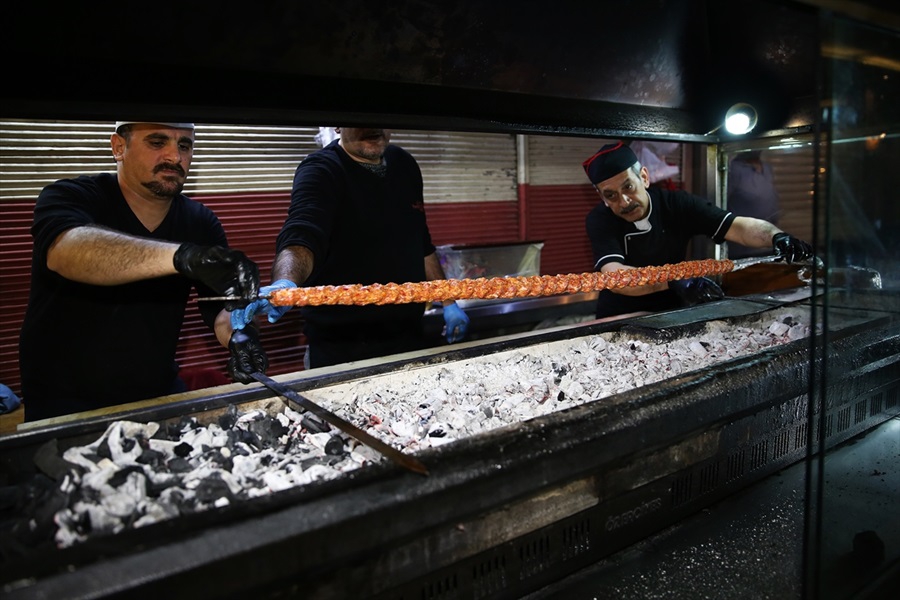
x,y
743,263
404,460
227,298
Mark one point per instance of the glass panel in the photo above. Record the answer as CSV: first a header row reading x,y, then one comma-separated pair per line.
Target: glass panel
x,y
856,532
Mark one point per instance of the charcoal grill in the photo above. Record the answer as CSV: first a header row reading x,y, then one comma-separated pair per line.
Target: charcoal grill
x,y
501,513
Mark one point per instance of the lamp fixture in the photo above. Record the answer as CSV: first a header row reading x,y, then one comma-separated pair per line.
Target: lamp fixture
x,y
741,118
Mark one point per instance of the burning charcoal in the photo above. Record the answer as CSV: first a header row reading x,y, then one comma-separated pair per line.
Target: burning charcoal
x,y
183,449
165,447
229,417
179,465
211,489
128,444
174,430
41,500
268,431
240,449
242,436
155,512
49,462
335,446
180,499
121,475
103,450
74,525
223,459
246,455
158,485
198,438
437,430
314,425
151,457
307,463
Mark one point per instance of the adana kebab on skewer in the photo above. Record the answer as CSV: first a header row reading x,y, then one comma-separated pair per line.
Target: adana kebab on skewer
x,y
495,287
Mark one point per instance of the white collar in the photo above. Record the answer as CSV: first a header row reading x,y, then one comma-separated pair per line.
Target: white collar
x,y
644,224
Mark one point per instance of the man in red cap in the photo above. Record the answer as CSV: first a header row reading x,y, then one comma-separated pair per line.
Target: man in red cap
x,y
115,258
638,226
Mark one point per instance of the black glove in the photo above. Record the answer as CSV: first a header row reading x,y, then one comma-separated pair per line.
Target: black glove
x,y
247,355
697,290
790,248
228,272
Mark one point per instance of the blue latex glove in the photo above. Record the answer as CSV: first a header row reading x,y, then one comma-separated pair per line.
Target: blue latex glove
x,y
8,400
457,323
242,317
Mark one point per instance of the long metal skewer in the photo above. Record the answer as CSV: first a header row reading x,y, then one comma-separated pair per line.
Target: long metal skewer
x,y
404,460
228,298
734,265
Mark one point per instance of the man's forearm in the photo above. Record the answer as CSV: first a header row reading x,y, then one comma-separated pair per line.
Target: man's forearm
x,y
750,232
294,263
222,327
100,256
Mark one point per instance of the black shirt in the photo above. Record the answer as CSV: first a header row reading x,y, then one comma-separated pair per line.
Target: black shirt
x,y
85,346
674,218
361,228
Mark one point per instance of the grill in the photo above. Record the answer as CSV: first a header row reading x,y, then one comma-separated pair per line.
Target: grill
x,y
501,513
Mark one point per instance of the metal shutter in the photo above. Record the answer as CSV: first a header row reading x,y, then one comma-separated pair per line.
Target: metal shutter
x,y
793,171
463,167
227,158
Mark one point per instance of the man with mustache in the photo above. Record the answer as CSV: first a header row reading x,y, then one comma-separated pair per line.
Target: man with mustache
x,y
356,216
115,257
638,226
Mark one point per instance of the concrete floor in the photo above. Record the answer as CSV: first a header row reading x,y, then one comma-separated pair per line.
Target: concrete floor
x,y
750,545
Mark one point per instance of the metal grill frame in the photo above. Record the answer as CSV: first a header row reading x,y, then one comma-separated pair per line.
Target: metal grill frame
x,y
588,481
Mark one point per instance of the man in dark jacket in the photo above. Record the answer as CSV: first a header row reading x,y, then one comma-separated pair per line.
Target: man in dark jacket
x,y
357,216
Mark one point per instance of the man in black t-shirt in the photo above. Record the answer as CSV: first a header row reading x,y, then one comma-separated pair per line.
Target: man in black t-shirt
x,y
115,257
638,226
357,215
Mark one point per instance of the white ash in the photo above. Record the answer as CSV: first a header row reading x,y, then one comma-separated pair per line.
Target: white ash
x,y
133,476
434,405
